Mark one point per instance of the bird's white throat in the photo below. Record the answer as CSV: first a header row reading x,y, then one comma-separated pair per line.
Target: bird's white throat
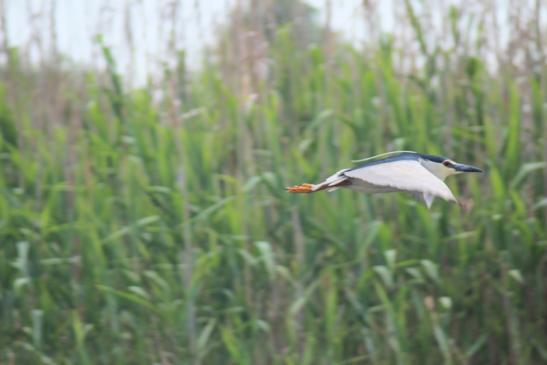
x,y
437,169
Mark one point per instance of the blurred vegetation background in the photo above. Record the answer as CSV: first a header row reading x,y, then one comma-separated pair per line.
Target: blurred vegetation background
x,y
149,224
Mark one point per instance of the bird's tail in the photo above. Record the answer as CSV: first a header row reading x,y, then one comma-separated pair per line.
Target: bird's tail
x,y
327,185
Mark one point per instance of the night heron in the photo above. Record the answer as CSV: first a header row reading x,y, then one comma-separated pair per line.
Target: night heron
x,y
420,174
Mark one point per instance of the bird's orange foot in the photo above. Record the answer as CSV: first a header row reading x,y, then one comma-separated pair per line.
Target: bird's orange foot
x,y
302,188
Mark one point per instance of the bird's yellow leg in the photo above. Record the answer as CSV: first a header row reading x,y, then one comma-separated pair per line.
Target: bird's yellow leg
x,y
302,188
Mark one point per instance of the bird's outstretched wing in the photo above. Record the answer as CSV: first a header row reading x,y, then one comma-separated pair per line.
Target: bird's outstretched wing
x,y
406,175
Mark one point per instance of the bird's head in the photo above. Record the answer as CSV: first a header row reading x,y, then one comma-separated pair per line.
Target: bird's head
x,y
444,167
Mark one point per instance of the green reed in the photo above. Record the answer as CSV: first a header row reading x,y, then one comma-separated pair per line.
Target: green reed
x,y
142,231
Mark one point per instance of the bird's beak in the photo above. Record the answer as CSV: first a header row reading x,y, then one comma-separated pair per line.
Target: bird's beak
x,y
460,167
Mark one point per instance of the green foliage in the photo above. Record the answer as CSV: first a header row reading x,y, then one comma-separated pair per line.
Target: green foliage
x,y
160,232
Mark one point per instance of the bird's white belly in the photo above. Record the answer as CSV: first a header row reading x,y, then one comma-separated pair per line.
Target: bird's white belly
x,y
363,186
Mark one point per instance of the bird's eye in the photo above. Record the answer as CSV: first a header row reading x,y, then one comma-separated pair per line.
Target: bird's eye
x,y
447,163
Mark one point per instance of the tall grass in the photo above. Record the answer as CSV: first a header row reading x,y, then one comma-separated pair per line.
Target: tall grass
x,y
138,229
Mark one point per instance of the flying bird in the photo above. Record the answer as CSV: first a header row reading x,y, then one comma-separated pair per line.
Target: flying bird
x,y
420,174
